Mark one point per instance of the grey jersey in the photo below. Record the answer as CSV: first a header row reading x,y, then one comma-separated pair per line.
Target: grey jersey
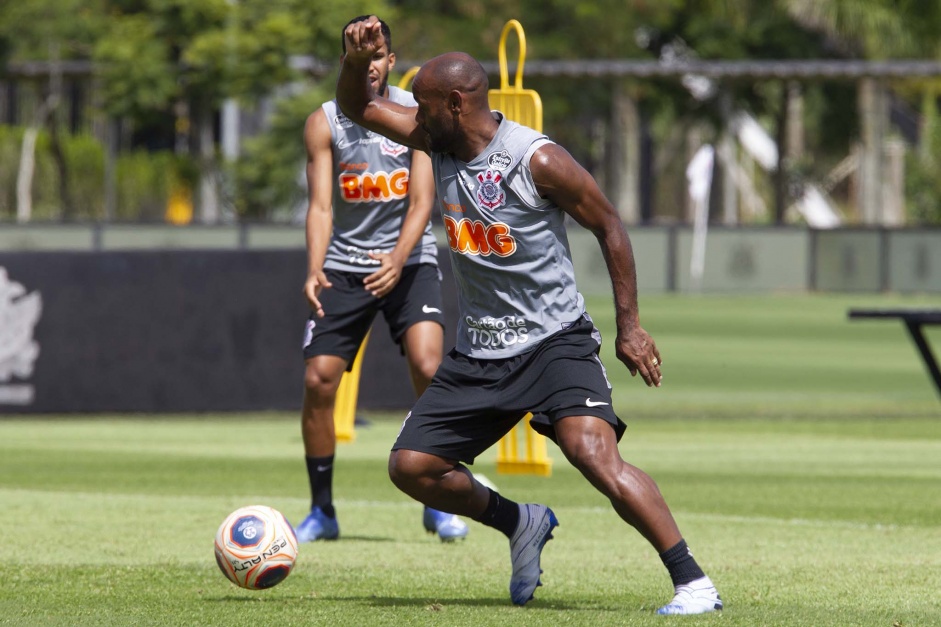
x,y
509,249
370,193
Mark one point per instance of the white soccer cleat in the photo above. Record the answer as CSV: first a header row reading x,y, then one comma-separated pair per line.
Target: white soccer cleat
x,y
533,531
695,597
448,526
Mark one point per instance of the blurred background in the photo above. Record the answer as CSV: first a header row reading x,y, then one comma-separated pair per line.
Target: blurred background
x,y
152,187
821,112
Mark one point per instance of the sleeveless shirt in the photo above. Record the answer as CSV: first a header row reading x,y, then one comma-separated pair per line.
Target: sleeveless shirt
x,y
509,248
370,194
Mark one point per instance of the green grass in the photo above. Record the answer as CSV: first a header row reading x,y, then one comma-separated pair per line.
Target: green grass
x,y
800,452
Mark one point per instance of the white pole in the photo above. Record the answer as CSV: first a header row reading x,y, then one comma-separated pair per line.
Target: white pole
x,y
230,129
699,176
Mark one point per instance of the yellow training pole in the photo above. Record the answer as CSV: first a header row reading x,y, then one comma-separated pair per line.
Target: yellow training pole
x,y
344,409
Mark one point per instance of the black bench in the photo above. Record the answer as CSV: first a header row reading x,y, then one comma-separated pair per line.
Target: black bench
x,y
914,320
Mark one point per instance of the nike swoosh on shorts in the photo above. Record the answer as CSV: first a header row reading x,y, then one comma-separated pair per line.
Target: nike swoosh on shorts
x,y
427,309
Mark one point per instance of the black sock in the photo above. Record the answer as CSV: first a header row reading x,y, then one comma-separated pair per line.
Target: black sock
x,y
679,561
320,473
501,514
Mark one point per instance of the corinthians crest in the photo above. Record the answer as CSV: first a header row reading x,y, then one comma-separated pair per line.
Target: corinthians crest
x,y
489,193
19,313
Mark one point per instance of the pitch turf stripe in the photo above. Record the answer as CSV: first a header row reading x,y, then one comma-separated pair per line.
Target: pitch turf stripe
x,y
301,503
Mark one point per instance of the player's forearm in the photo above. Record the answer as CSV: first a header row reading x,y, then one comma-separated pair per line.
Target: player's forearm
x,y
319,227
354,92
619,258
413,227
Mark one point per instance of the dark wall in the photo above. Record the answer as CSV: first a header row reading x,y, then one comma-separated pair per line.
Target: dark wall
x,y
181,331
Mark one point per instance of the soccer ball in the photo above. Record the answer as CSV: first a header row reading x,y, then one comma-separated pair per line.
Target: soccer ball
x,y
256,547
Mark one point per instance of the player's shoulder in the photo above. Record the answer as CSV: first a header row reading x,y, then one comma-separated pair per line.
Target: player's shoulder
x,y
522,133
330,118
317,121
402,97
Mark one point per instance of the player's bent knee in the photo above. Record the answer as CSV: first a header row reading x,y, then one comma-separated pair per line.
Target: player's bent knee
x,y
414,470
319,385
401,471
425,366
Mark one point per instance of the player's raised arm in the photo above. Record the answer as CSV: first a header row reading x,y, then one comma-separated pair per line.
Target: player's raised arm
x,y
360,102
561,179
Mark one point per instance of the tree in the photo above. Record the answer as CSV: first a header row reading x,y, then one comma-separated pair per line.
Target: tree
x,y
54,31
190,56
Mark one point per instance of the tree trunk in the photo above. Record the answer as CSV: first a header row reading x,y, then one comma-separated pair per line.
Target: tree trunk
x,y
873,115
625,155
779,176
209,210
62,165
24,176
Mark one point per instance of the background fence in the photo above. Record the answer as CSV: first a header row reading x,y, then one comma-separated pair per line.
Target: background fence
x,y
737,259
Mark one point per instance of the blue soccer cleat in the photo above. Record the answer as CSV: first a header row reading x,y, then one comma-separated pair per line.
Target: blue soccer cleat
x,y
317,526
448,526
533,531
695,597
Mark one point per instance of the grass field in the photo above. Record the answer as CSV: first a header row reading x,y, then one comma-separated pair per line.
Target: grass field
x,y
800,452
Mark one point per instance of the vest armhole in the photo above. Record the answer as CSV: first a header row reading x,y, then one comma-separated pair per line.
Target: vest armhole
x,y
534,200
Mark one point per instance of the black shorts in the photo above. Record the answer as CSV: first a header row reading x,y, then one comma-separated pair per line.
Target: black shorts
x,y
349,310
472,403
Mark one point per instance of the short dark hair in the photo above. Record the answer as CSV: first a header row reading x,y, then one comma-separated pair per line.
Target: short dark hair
x,y
362,18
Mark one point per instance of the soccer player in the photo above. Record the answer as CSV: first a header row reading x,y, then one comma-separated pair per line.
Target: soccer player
x,y
525,341
370,248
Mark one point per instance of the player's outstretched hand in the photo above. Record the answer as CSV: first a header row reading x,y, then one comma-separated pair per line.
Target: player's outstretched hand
x,y
363,39
315,283
381,282
639,353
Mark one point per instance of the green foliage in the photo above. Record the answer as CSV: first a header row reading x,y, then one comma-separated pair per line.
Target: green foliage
x,y
323,23
872,28
10,140
269,176
45,199
135,67
143,185
42,29
6,47
922,190
143,179
86,167
923,168
153,55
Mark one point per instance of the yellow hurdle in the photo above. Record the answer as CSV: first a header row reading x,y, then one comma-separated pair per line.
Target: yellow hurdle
x,y
408,76
344,410
535,459
523,106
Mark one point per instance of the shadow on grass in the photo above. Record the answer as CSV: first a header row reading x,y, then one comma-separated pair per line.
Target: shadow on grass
x,y
352,538
436,604
376,601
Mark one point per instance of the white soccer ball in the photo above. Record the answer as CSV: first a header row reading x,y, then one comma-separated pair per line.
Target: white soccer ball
x,y
256,547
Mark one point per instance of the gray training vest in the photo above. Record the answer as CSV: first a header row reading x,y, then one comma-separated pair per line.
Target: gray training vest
x,y
509,249
370,193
